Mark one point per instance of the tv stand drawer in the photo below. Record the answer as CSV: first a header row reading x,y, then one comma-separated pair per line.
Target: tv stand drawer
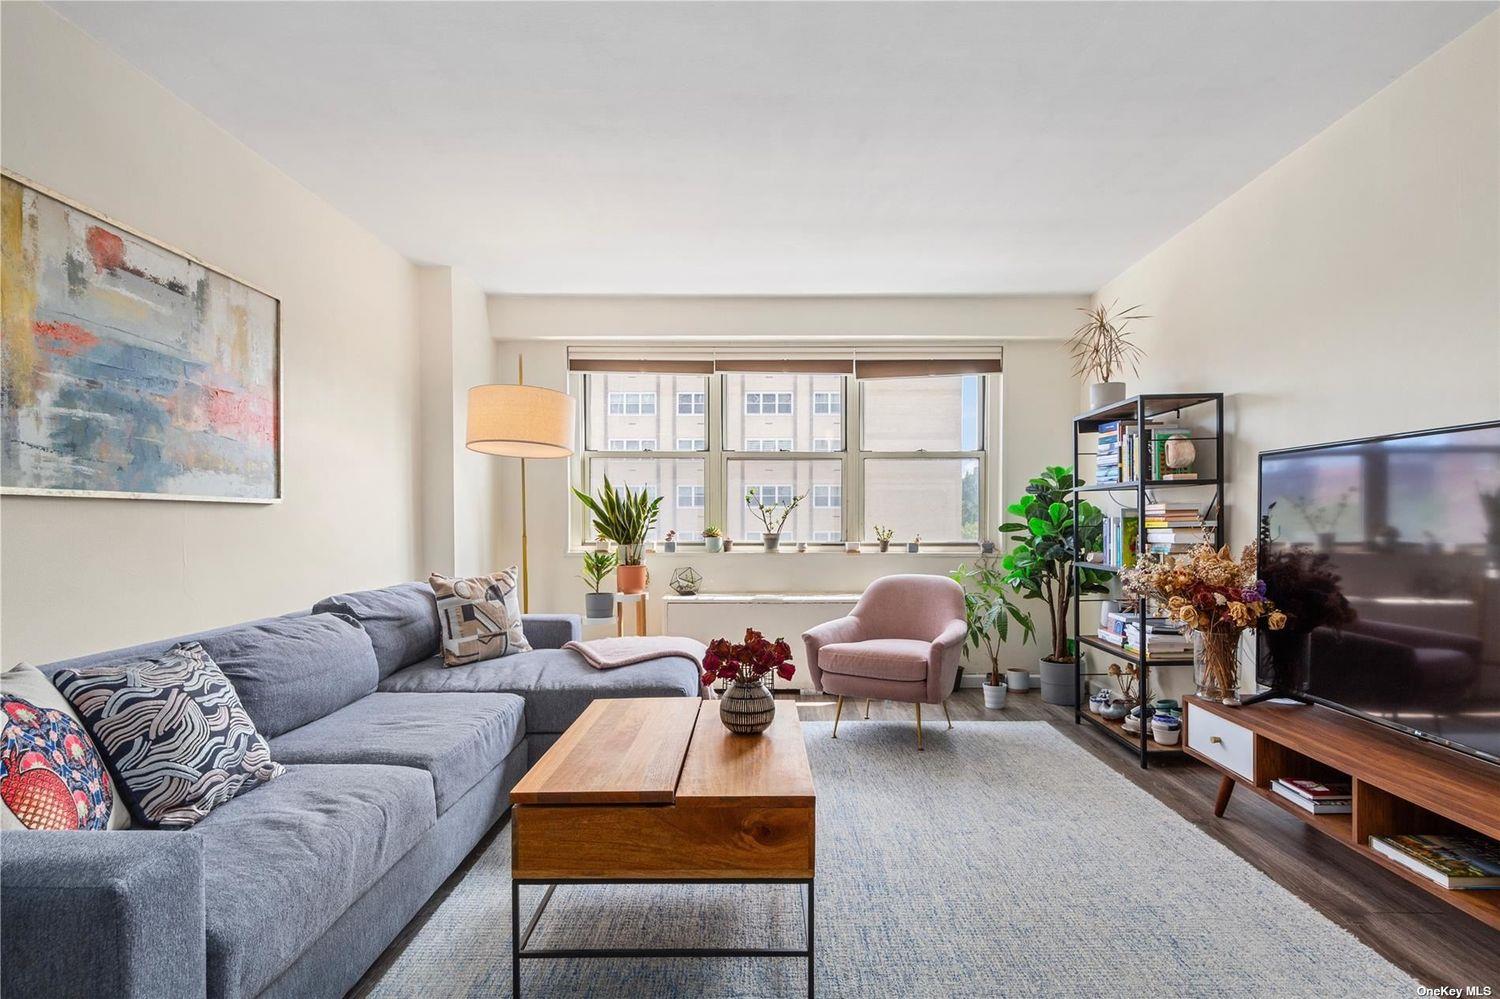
x,y
1221,741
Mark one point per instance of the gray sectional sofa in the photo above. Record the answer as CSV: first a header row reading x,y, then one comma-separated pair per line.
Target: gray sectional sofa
x,y
396,768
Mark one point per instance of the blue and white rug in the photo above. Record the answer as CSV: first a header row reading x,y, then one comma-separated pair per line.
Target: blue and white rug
x,y
918,895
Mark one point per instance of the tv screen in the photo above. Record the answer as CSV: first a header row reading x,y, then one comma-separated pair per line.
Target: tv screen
x,y
1386,555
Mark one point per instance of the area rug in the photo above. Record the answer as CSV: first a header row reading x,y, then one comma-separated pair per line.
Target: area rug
x,y
1002,861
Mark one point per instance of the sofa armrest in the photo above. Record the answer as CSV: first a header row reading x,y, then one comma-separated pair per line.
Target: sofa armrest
x,y
116,913
943,659
844,629
551,631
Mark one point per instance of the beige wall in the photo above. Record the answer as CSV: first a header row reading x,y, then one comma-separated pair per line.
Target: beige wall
x,y
87,574
1033,423
1352,289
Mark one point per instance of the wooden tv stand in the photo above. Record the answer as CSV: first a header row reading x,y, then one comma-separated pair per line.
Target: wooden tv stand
x,y
1401,784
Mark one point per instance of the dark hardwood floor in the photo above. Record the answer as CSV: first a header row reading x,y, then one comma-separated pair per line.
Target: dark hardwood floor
x,y
1411,929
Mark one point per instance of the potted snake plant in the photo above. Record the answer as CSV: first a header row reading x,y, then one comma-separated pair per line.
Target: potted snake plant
x,y
596,567
625,517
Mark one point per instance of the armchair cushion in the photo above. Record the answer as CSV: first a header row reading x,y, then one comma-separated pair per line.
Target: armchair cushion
x,y
878,658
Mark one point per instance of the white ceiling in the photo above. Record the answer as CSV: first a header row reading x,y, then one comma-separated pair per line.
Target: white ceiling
x,y
775,148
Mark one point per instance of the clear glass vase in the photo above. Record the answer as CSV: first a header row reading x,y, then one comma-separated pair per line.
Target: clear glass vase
x,y
1216,665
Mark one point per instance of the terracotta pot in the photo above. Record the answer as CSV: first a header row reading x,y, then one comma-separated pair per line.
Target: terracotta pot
x,y
631,578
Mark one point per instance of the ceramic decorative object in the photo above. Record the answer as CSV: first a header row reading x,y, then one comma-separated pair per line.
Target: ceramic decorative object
x,y
1179,453
1104,393
1166,729
912,547
851,547
994,695
747,707
1099,700
1018,679
598,606
728,544
685,581
771,541
669,547
713,545
1114,707
802,548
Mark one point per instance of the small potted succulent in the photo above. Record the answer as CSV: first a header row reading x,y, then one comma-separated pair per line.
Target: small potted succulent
x,y
914,545
596,567
883,536
986,547
713,539
772,517
747,707
669,543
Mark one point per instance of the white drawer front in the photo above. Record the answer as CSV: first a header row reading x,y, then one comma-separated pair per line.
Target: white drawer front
x,y
1221,741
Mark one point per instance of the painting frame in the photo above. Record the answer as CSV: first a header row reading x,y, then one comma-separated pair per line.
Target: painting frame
x,y
277,379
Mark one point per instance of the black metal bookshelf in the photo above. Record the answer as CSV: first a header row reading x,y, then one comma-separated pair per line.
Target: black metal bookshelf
x,y
1140,408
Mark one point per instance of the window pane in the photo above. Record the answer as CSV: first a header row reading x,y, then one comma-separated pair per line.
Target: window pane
x,y
937,498
783,412
922,414
625,407
779,481
665,477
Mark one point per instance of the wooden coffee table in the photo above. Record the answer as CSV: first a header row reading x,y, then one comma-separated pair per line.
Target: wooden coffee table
x,y
655,790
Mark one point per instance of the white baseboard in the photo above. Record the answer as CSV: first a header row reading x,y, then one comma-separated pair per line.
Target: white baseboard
x,y
971,679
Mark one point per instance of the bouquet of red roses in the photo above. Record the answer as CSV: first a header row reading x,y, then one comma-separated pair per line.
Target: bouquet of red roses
x,y
751,660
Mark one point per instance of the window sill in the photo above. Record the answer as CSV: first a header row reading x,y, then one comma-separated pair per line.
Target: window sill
x,y
698,551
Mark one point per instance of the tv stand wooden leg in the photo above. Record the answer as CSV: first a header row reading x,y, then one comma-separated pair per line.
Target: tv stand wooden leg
x,y
1226,788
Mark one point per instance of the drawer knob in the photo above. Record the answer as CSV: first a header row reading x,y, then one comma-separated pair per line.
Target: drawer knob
x,y
1216,740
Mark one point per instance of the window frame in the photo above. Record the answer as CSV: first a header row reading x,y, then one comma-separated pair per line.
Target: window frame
x,y
716,458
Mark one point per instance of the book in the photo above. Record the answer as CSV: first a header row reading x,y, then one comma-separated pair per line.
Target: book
x,y
1460,862
1334,806
1318,790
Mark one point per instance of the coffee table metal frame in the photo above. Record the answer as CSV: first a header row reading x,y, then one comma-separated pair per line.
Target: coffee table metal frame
x,y
519,938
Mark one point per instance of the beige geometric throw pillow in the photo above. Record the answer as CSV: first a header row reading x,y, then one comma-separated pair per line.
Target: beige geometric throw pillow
x,y
480,617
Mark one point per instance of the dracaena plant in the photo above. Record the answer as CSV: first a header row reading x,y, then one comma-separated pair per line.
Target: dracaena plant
x,y
1040,566
624,516
597,566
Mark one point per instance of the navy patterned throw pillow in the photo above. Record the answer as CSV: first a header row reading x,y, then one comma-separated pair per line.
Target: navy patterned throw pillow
x,y
174,729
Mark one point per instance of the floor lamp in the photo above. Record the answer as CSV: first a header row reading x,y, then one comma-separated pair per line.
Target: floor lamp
x,y
520,421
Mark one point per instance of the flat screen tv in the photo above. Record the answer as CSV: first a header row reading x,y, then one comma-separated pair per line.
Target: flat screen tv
x,y
1386,552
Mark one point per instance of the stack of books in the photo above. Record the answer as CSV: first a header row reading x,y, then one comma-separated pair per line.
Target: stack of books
x,y
1122,535
1174,528
1161,636
1318,797
1121,456
1462,862
1107,453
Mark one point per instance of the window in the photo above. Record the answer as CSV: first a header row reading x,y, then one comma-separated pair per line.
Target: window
x,y
632,403
768,403
768,444
906,453
772,495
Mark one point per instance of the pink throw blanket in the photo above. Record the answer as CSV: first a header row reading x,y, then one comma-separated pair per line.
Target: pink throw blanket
x,y
612,653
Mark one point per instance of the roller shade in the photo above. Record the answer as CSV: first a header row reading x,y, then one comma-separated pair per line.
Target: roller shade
x,y
654,366
805,366
893,367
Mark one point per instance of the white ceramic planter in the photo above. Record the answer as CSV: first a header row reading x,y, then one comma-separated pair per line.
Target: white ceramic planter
x,y
713,545
1018,679
994,696
1104,393
1164,735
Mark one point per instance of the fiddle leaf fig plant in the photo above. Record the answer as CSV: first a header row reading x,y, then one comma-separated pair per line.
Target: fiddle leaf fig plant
x,y
1040,565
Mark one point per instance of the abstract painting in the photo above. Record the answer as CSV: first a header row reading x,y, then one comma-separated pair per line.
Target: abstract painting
x,y
130,369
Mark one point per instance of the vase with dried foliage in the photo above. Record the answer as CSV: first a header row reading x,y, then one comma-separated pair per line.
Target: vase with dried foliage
x,y
1102,348
747,707
1215,596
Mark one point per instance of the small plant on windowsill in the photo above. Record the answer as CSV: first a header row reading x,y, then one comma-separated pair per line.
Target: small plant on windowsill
x,y
773,517
914,545
883,535
713,539
669,543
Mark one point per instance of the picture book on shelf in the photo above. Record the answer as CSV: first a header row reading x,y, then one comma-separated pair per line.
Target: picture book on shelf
x,y
1465,861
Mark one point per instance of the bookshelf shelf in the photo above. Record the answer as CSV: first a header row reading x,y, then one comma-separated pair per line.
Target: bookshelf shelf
x,y
1200,418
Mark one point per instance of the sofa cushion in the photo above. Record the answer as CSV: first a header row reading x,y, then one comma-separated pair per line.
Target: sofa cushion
x,y
877,658
557,684
290,671
174,731
280,866
457,740
401,621
479,617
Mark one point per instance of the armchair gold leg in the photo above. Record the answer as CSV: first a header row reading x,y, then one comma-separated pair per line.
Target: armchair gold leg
x,y
919,726
946,714
867,709
837,710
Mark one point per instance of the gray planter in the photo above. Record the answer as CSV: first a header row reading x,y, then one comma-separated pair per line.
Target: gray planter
x,y
1104,393
1058,686
597,606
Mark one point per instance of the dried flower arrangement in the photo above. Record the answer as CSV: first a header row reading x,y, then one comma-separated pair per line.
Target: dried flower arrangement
x,y
1101,347
1215,595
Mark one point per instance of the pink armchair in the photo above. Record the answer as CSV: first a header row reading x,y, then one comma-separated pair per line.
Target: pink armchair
x,y
901,642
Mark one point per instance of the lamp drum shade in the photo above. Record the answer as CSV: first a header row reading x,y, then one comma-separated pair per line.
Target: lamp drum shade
x,y
520,421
